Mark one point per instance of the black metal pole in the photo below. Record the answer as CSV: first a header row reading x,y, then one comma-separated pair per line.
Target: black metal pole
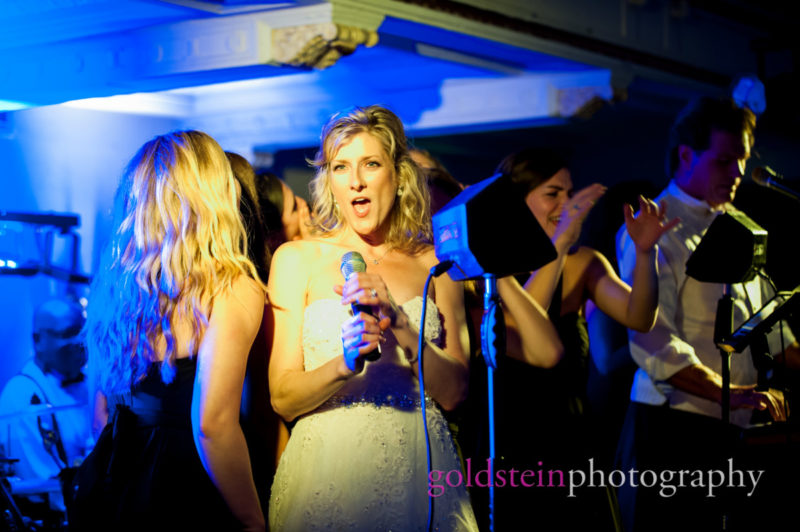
x,y
492,342
723,327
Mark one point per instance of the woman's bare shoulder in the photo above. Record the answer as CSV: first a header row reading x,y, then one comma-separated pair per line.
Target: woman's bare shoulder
x,y
426,257
587,265
310,249
244,290
583,257
296,248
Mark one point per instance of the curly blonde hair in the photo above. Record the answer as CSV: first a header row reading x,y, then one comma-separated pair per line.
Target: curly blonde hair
x,y
410,218
179,241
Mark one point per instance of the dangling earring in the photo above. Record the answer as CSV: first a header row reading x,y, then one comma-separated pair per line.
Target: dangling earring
x,y
399,191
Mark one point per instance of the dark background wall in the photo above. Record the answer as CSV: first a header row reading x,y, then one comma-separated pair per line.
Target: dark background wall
x,y
622,145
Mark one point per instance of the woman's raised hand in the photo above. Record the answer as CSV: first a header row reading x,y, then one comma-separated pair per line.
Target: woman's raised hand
x,y
573,214
646,228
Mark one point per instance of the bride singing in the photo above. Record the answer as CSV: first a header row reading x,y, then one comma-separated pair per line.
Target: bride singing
x,y
356,457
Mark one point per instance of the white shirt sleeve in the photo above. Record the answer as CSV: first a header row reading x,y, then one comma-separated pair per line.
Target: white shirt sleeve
x,y
661,352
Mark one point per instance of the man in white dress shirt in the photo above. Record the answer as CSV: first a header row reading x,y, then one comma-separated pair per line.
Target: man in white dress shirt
x,y
45,420
674,421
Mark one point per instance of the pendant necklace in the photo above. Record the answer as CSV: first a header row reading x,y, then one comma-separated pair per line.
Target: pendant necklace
x,y
379,259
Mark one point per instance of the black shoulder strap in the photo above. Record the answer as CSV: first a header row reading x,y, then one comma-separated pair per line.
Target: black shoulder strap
x,y
52,437
554,312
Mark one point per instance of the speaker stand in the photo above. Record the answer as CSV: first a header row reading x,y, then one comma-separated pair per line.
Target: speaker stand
x,y
493,340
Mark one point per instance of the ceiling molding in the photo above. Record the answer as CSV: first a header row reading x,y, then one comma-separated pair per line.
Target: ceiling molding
x,y
168,55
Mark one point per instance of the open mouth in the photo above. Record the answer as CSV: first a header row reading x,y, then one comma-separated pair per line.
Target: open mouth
x,y
361,206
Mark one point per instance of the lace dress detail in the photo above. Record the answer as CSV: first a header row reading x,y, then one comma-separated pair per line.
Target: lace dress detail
x,y
358,461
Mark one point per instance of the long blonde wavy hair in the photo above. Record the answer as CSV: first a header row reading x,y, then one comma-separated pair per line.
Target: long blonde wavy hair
x,y
179,241
410,218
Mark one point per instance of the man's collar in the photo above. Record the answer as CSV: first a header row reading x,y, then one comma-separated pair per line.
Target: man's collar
x,y
675,190
74,380
34,370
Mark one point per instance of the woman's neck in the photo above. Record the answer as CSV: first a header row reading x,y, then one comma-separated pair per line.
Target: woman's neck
x,y
373,248
373,242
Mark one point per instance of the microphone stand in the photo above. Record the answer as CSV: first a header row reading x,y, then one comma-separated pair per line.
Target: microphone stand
x,y
492,341
723,327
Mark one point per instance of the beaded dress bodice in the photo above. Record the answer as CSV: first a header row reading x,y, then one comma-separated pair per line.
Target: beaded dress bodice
x,y
357,462
387,381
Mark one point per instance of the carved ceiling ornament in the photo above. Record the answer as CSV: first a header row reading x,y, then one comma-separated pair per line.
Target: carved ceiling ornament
x,y
318,45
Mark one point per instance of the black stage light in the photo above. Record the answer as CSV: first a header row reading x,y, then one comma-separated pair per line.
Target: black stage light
x,y
487,229
732,251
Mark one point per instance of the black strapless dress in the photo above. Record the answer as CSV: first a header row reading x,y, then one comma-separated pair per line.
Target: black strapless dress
x,y
145,473
541,424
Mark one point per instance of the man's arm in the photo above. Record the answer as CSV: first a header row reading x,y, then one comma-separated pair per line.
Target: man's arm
x,y
791,356
661,352
666,356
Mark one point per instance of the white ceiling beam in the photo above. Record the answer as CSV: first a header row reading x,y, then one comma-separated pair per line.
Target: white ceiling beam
x,y
179,54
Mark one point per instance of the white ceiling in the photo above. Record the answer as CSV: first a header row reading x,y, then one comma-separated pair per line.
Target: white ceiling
x,y
267,74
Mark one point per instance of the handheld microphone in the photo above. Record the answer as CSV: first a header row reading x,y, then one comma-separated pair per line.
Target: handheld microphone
x,y
767,177
353,262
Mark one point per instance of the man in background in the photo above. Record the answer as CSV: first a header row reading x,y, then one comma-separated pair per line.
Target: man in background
x,y
45,421
673,421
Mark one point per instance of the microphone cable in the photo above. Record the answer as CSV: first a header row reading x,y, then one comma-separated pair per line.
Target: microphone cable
x,y
436,271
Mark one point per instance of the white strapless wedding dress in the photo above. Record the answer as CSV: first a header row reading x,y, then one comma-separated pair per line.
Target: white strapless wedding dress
x,y
358,461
